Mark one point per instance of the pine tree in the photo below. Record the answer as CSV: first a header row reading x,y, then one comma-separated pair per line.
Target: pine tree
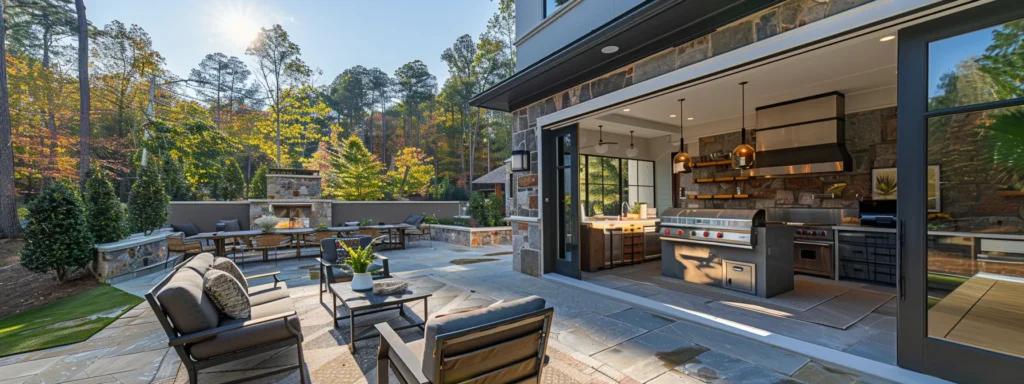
x,y
258,185
147,203
359,173
57,238
231,183
175,185
103,212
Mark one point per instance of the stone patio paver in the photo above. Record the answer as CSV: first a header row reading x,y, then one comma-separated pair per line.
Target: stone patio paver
x,y
594,339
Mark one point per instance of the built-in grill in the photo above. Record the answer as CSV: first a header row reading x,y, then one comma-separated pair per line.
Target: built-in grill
x,y
722,227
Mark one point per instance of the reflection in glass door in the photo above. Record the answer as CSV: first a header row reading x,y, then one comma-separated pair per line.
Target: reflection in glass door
x,y
961,179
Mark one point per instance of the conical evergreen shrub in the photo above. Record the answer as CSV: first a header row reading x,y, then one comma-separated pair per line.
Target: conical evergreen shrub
x,y
57,238
258,185
231,183
147,204
104,213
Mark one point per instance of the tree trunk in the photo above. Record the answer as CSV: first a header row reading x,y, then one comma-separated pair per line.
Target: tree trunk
x,y
383,134
9,225
83,89
277,117
51,123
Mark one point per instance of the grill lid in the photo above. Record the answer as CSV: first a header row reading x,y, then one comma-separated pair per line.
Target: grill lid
x,y
737,218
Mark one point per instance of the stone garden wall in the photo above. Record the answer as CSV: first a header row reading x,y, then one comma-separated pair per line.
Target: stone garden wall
x,y
783,17
470,237
297,187
135,256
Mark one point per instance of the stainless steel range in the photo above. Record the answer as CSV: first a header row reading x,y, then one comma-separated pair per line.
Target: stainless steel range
x,y
731,248
813,239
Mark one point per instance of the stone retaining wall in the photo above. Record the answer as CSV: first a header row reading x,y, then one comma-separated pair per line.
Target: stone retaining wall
x,y
470,237
135,256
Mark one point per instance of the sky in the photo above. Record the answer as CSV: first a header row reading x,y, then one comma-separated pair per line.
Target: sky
x,y
332,34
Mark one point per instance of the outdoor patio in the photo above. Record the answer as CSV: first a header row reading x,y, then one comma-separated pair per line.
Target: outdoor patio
x,y
594,339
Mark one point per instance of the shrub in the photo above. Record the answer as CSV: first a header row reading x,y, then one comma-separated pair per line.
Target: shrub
x,y
175,185
486,212
104,213
258,184
430,219
230,182
57,238
147,203
443,190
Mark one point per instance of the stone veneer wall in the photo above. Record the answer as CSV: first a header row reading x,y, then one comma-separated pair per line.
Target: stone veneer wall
x,y
283,187
870,139
131,257
783,17
470,237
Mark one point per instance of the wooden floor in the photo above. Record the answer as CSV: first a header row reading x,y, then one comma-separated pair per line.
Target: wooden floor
x,y
985,312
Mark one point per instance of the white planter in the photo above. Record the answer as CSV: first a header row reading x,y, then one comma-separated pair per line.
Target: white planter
x,y
362,281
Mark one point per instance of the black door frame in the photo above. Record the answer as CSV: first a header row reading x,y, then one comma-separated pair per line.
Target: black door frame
x,y
915,350
551,195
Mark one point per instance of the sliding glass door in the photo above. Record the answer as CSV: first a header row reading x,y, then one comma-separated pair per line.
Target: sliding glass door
x,y
961,195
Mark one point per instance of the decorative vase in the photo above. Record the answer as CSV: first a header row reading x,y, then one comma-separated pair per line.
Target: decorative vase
x,y
362,281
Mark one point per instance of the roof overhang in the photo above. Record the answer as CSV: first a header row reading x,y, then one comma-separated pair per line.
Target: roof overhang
x,y
648,28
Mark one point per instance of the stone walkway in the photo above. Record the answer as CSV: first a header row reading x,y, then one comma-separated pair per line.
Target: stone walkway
x,y
594,339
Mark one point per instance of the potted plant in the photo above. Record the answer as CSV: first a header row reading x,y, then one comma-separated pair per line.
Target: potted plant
x,y
266,223
321,227
359,259
365,222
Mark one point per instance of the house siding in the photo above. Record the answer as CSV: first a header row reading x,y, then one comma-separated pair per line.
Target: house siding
x,y
772,21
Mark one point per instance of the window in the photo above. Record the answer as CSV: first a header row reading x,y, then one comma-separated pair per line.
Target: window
x,y
550,6
607,182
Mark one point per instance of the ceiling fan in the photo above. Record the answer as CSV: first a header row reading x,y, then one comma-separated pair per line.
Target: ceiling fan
x,y
601,146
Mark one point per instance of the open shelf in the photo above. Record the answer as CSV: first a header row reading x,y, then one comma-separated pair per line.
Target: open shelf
x,y
709,180
1009,193
712,163
722,197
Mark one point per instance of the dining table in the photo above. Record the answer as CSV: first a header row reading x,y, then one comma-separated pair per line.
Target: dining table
x,y
220,238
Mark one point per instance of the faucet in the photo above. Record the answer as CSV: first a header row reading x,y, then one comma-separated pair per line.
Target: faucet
x,y
625,209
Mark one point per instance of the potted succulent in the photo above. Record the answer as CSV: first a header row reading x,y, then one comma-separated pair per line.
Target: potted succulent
x,y
359,259
266,223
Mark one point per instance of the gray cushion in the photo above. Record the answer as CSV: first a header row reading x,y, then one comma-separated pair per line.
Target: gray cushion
x,y
231,225
226,265
262,294
188,308
226,294
459,321
200,263
252,336
188,229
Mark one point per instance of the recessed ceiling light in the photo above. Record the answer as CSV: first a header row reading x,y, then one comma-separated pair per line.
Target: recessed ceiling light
x,y
887,38
610,49
689,118
671,115
625,110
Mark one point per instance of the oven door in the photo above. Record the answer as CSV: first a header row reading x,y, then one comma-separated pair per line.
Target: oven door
x,y
813,257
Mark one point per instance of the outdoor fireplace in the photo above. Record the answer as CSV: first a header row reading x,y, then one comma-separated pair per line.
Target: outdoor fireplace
x,y
293,195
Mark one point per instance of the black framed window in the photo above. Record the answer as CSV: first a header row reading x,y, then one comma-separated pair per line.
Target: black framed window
x,y
607,182
550,6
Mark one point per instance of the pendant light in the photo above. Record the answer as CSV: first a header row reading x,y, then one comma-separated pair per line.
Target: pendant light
x,y
632,151
743,154
601,146
682,162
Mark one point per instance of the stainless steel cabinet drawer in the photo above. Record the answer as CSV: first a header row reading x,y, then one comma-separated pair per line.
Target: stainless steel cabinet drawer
x,y
739,276
853,252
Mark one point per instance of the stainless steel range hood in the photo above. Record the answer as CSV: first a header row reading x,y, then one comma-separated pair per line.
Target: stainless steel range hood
x,y
802,136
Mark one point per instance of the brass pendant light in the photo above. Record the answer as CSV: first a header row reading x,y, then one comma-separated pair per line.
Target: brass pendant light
x,y
682,162
743,154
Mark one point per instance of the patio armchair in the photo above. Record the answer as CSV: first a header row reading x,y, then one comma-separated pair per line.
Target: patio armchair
x,y
203,338
176,243
332,262
268,242
503,343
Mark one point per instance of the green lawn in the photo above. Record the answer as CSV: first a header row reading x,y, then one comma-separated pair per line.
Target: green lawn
x,y
68,320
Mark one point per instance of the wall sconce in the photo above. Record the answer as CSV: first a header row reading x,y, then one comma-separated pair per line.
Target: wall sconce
x,y
521,160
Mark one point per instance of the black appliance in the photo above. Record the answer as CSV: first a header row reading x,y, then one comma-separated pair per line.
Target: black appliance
x,y
878,213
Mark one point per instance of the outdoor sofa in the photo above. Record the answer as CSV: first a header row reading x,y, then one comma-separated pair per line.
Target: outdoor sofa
x,y
204,338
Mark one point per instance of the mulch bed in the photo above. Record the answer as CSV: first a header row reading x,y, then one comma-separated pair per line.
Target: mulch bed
x,y
21,289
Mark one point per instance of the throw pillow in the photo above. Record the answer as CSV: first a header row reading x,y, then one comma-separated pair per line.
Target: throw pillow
x,y
226,265
188,229
226,294
231,225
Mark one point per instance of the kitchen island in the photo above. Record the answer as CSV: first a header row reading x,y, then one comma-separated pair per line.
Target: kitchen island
x,y
611,242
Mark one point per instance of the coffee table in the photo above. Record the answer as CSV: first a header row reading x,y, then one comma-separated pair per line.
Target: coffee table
x,y
362,303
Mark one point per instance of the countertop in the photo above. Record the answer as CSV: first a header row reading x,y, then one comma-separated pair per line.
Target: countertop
x,y
604,224
1001,236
